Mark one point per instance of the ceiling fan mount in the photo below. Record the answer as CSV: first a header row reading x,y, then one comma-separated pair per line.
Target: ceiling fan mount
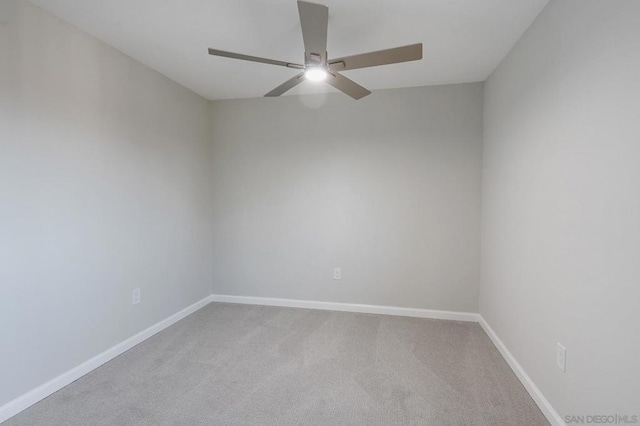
x,y
314,20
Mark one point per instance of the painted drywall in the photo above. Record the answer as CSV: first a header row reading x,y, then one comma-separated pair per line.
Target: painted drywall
x,y
386,188
561,204
104,187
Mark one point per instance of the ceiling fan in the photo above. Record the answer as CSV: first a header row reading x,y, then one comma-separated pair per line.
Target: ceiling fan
x,y
313,20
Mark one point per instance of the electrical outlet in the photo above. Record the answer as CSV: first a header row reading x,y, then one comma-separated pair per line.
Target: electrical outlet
x,y
337,273
561,358
135,296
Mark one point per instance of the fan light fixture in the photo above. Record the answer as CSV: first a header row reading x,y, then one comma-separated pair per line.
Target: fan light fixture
x,y
314,20
315,73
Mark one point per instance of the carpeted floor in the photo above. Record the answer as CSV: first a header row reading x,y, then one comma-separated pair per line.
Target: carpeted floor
x,y
255,365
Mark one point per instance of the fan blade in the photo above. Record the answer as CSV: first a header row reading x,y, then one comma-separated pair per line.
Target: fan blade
x,y
347,86
412,52
289,84
314,19
232,55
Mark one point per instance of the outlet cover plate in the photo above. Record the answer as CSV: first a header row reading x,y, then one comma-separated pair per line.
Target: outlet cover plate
x,y
135,296
561,358
337,273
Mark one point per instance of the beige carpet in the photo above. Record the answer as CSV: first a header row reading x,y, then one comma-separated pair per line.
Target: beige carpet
x,y
253,365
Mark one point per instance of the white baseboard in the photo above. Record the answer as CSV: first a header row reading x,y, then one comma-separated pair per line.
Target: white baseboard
x,y
545,406
347,307
15,406
23,402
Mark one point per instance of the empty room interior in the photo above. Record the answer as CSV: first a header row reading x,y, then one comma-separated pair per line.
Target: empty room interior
x,y
324,212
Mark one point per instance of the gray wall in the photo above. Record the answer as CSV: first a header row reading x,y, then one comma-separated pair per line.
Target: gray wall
x,y
387,188
103,187
561,204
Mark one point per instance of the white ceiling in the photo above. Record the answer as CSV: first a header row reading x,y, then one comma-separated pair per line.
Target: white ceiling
x,y
464,40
